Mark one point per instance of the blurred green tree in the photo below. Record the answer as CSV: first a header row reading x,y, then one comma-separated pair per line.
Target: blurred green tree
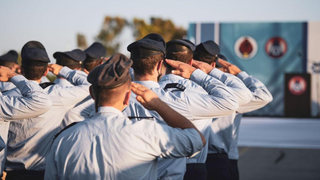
x,y
164,27
82,41
111,28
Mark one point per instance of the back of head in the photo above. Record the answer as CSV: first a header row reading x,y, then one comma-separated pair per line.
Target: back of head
x,y
10,59
111,80
146,53
72,59
34,60
95,55
206,52
180,50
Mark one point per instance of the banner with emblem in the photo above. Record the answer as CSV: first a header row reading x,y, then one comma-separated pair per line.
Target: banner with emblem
x,y
297,100
265,50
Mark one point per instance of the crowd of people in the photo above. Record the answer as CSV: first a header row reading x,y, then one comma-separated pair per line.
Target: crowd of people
x,y
170,111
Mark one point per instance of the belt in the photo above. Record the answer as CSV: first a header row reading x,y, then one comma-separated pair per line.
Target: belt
x,y
196,166
218,155
25,174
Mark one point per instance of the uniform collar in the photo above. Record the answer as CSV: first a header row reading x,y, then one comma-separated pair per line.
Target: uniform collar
x,y
171,77
34,81
149,84
109,110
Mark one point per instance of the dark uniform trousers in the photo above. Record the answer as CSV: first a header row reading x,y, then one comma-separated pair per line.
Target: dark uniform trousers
x,y
234,171
195,171
25,175
218,166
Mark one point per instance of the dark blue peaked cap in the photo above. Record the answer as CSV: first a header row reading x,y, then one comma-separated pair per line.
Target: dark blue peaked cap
x,y
76,55
11,56
180,42
111,74
210,46
151,41
34,50
96,51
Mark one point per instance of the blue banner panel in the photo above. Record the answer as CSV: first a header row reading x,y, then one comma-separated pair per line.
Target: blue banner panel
x,y
191,34
267,51
207,32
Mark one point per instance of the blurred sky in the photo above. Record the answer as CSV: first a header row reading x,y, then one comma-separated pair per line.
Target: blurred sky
x,y
56,23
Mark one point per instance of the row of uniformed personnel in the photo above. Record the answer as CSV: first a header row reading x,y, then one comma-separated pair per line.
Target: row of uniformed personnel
x,y
124,135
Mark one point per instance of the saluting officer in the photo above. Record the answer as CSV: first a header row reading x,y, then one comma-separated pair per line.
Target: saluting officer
x,y
30,138
71,59
111,146
33,101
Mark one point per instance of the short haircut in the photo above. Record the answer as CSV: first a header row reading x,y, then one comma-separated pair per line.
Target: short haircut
x,y
111,96
33,70
8,64
183,56
144,66
90,64
204,56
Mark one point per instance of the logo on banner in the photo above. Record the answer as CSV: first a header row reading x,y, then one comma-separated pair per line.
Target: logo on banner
x,y
297,85
276,47
246,47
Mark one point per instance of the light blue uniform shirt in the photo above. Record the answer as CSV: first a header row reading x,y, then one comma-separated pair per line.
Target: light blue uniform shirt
x,y
30,138
261,97
202,125
33,101
62,82
6,86
222,128
83,110
111,146
225,129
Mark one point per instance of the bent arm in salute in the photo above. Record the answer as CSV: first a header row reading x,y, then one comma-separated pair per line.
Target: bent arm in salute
x,y
152,102
34,101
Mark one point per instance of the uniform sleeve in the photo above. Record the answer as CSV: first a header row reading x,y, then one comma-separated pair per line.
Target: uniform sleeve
x,y
261,95
34,101
236,86
70,96
177,143
218,102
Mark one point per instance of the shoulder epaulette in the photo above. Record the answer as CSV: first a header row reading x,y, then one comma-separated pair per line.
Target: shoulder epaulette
x,y
70,125
140,118
46,84
175,85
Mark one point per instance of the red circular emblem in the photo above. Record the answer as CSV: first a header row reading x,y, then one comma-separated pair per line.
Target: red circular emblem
x,y
297,85
276,47
246,47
